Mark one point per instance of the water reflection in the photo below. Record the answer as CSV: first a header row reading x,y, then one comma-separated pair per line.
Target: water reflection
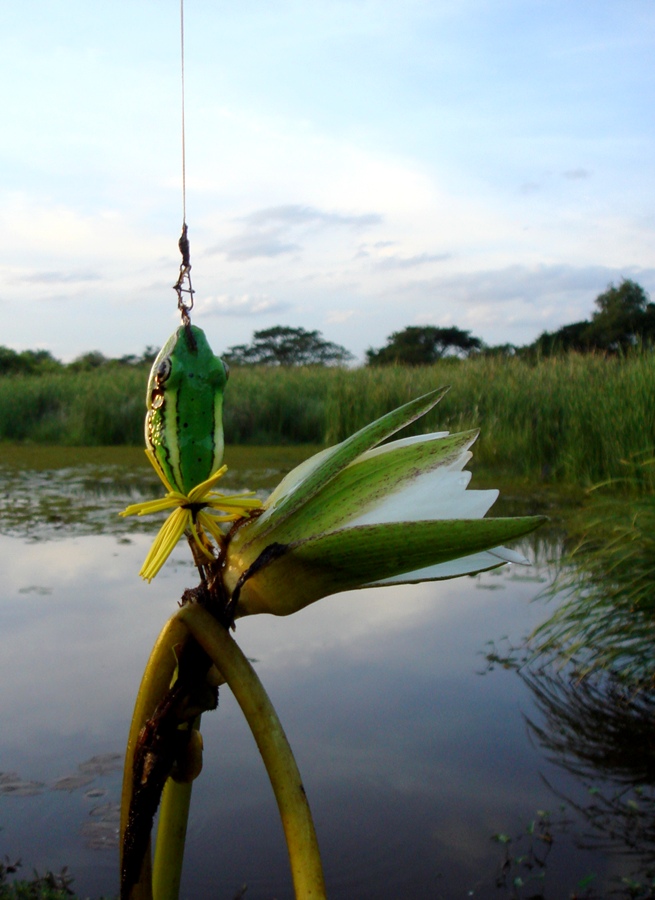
x,y
603,733
606,620
47,492
596,728
411,760
589,669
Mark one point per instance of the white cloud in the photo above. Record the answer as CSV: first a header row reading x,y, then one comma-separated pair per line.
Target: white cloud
x,y
268,231
497,304
358,165
251,245
293,214
245,305
576,174
58,277
410,262
338,317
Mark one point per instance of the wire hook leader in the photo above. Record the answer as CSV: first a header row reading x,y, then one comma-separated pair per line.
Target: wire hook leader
x,y
183,284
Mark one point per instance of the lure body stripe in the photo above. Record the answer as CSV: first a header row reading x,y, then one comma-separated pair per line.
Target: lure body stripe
x,y
184,422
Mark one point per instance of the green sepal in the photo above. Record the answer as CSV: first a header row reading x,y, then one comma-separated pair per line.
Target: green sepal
x,y
355,556
365,555
369,481
323,468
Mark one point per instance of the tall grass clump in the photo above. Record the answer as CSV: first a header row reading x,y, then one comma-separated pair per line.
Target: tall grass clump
x,y
574,419
268,405
606,620
101,407
33,408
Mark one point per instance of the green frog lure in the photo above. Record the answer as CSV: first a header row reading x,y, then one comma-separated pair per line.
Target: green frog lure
x,y
184,443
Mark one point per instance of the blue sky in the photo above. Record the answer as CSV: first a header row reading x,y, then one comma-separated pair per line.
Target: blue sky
x,y
354,167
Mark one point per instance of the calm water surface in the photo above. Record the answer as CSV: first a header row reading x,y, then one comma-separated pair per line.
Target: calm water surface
x,y
412,759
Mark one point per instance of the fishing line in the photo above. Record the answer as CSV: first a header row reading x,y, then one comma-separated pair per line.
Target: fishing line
x,y
183,133
183,284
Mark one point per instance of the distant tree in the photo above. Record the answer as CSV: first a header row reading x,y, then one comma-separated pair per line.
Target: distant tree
x,y
94,359
623,318
570,337
27,362
501,350
131,360
420,345
284,346
149,355
9,361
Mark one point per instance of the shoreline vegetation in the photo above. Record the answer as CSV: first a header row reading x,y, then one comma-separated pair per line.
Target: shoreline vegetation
x,y
568,419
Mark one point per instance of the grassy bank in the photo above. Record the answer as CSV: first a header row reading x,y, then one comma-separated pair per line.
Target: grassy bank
x,y
575,419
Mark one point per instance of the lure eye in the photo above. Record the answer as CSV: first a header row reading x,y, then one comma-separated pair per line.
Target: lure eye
x,y
163,370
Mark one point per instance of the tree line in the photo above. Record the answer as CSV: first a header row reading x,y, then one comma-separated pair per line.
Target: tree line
x,y
623,319
42,362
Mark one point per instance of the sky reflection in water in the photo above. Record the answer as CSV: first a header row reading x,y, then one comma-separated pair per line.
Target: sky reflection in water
x,y
411,760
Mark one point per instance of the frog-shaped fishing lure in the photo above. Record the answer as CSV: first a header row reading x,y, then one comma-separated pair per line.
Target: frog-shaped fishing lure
x,y
184,423
184,443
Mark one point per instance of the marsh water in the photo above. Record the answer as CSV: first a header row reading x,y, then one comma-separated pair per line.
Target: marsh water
x,y
430,773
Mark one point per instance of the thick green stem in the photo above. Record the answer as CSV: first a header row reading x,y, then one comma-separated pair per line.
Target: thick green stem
x,y
276,753
171,835
304,856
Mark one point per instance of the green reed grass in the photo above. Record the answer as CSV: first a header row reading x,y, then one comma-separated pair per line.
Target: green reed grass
x,y
606,621
73,408
572,419
579,419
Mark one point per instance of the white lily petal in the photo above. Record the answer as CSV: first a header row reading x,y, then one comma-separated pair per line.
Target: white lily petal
x,y
465,565
438,494
510,556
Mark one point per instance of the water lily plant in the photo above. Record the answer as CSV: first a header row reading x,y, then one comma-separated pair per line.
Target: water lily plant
x,y
365,513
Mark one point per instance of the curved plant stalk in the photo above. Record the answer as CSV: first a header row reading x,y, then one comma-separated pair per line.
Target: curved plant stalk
x,y
302,845
173,818
155,683
171,836
304,856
